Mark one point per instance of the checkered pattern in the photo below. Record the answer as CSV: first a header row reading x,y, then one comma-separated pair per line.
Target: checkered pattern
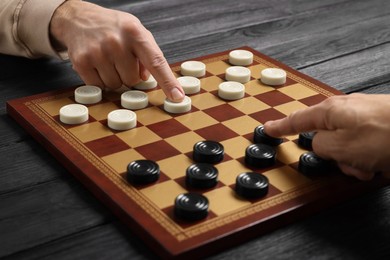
x,y
168,139
99,155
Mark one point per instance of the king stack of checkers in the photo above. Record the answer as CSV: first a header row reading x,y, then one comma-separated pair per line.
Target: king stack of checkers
x,y
202,173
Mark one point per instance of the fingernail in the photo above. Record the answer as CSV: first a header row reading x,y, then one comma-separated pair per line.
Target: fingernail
x,y
176,94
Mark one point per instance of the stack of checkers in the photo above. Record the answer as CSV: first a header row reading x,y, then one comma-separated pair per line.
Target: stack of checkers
x,y
201,174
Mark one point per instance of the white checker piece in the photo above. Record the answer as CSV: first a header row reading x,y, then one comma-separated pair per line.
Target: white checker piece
x,y
73,114
190,85
273,76
231,90
193,68
88,94
241,57
238,74
134,99
122,119
150,83
177,108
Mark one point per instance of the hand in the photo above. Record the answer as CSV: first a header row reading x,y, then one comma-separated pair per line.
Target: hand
x,y
110,48
353,130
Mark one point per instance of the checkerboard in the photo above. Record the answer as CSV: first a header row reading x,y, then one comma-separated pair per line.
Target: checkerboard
x,y
98,156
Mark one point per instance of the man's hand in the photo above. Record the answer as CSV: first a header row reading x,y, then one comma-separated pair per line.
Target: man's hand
x,y
110,48
353,130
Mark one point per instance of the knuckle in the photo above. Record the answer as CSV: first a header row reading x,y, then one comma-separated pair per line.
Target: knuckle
x,y
110,42
133,26
85,58
331,105
157,60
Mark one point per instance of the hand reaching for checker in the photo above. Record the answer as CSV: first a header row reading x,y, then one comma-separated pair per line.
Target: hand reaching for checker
x,y
353,130
110,48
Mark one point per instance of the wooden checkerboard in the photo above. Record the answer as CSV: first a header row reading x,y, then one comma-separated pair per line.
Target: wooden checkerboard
x,y
98,156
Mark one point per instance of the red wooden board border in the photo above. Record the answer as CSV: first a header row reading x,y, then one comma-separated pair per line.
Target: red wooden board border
x,y
202,244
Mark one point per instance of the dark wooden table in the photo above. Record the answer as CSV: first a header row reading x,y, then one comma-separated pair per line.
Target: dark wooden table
x,y
46,213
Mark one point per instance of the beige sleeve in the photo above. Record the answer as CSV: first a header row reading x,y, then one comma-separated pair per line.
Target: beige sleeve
x,y
24,27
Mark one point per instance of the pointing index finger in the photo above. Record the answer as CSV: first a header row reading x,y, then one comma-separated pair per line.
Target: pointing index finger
x,y
154,61
309,119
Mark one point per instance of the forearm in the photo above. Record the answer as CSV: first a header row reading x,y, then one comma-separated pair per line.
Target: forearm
x,y
24,29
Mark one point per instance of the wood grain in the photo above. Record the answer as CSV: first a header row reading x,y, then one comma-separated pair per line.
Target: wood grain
x,y
45,213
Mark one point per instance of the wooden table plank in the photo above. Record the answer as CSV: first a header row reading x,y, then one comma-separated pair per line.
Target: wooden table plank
x,y
358,70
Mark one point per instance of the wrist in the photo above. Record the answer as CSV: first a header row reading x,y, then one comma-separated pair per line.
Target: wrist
x,y
59,22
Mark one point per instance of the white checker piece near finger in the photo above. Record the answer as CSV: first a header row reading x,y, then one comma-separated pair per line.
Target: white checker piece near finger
x,y
273,76
122,119
193,68
231,90
177,108
150,83
238,74
190,85
134,99
241,57
74,114
88,94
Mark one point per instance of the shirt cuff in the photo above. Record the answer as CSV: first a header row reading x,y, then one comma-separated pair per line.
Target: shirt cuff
x,y
34,27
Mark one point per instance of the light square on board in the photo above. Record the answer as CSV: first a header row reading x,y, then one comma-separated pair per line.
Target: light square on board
x,y
151,115
286,178
196,120
289,152
138,136
206,100
101,110
242,125
256,70
163,194
210,83
298,91
217,67
156,97
236,146
292,137
53,106
184,142
227,195
290,107
119,161
229,170
91,131
176,166
254,87
249,105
